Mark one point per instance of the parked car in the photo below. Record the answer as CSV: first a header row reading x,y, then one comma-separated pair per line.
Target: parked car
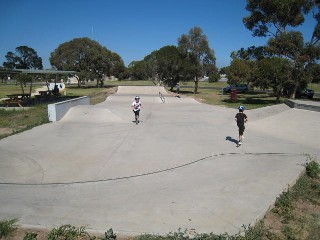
x,y
239,87
305,93
308,93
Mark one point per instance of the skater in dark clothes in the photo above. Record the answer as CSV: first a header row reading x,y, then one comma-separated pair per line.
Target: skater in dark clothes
x,y
241,118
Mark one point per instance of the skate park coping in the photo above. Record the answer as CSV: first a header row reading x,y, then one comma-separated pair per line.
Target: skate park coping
x,y
56,111
306,105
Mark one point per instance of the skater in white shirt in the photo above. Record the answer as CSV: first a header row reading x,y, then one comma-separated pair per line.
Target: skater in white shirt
x,y
136,107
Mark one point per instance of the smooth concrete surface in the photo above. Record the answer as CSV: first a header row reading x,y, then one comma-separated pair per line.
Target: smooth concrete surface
x,y
56,111
179,168
304,104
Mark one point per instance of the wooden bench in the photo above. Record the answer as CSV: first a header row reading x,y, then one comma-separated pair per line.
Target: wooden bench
x,y
16,99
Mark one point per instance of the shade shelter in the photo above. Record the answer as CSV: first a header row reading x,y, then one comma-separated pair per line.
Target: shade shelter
x,y
34,72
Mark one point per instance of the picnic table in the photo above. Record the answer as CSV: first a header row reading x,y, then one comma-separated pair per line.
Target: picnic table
x,y
46,93
18,98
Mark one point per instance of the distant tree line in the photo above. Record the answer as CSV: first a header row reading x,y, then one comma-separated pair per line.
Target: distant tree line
x,y
191,60
287,62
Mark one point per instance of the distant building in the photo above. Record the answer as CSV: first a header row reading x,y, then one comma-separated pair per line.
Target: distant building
x,y
204,79
223,78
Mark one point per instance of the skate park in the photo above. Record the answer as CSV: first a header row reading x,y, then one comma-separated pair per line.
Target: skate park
x,y
179,168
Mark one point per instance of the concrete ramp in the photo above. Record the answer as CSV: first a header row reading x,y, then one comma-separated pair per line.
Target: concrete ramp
x,y
178,168
90,114
141,90
266,112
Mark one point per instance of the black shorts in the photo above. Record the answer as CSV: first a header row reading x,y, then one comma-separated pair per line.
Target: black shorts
x,y
136,113
241,129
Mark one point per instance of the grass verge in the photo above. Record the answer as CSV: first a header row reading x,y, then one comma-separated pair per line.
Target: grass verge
x,y
251,100
15,121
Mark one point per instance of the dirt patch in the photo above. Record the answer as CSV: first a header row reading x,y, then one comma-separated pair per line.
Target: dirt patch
x,y
21,232
5,131
304,223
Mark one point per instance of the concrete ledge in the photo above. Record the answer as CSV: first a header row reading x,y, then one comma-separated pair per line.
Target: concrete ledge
x,y
56,111
306,105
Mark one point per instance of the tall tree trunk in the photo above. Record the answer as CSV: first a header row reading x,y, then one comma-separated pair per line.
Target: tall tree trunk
x,y
21,84
196,83
278,97
31,86
293,95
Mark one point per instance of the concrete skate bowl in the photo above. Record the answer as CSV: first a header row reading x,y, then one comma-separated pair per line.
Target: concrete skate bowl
x,y
174,170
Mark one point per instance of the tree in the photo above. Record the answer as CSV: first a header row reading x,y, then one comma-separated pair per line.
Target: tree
x,y
194,47
273,18
290,45
22,79
137,70
23,58
164,64
151,66
240,71
88,58
314,70
275,73
170,65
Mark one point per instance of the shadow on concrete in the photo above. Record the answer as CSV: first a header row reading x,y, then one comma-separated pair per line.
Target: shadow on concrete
x,y
232,139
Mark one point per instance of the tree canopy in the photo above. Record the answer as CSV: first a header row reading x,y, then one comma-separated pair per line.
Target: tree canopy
x,y
23,58
87,57
194,47
276,19
271,17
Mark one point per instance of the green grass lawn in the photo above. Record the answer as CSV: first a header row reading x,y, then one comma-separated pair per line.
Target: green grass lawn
x,y
6,89
215,97
315,87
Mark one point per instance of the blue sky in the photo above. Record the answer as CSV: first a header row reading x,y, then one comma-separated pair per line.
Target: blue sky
x,y
131,28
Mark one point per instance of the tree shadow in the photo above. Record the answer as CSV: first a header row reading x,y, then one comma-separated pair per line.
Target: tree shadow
x,y
228,138
186,91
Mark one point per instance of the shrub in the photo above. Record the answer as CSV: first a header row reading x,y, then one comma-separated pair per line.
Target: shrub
x,y
68,232
30,236
284,205
7,228
312,168
214,77
109,235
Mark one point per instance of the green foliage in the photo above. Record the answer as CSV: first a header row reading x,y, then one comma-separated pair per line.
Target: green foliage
x,y
109,235
274,73
7,228
24,58
30,236
87,57
240,71
214,77
21,120
268,15
289,232
195,50
312,168
137,70
284,205
67,232
271,18
247,233
314,70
